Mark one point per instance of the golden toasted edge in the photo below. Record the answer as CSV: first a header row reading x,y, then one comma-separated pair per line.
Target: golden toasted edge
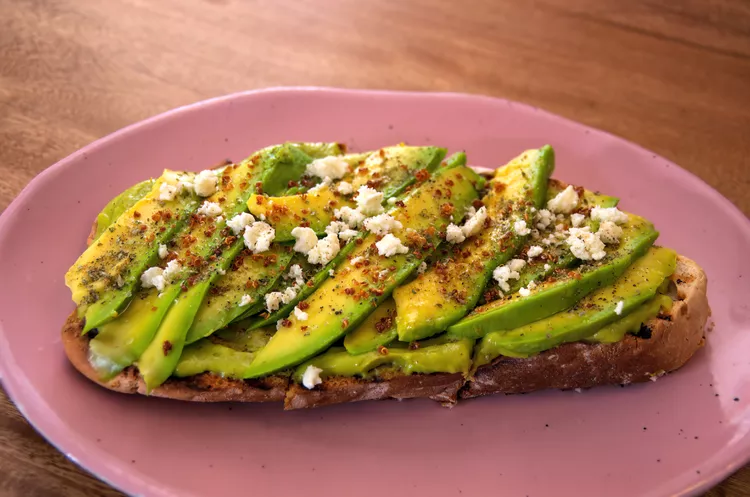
x,y
674,339
205,387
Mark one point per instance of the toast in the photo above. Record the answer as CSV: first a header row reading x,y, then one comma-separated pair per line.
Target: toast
x,y
674,338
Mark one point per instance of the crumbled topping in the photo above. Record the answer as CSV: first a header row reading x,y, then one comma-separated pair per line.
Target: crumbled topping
x,y
534,251
369,201
167,191
609,232
237,223
612,214
474,222
205,183
585,245
325,249
300,314
389,245
345,188
422,268
296,274
258,236
382,224
163,251
520,228
210,209
576,219
305,239
311,377
619,307
454,234
509,271
350,216
332,167
564,202
246,300
543,218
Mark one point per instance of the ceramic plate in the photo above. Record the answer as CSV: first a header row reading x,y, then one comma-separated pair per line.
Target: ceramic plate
x,y
676,436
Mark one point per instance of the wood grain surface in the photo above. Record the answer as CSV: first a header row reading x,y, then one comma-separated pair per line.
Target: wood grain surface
x,y
673,76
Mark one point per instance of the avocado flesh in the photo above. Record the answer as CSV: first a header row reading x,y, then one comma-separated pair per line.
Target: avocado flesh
x,y
638,284
126,248
433,356
631,323
227,353
159,359
249,274
556,294
379,328
449,289
120,204
389,171
341,303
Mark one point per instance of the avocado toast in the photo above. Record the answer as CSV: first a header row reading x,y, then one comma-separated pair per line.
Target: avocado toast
x,y
311,276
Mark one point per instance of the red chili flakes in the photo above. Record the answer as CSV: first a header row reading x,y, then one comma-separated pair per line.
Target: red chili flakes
x,y
168,215
422,175
358,241
344,323
209,231
303,328
229,240
150,237
154,309
304,224
362,170
447,209
222,200
188,240
413,345
142,227
243,185
136,214
292,184
382,350
449,182
575,275
310,283
498,187
286,323
251,284
477,204
259,187
384,324
303,306
400,203
166,347
156,217
349,291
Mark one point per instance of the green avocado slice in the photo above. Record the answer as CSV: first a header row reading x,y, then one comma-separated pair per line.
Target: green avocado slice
x,y
436,355
562,290
271,168
120,204
390,170
449,289
104,277
378,329
367,278
638,284
631,323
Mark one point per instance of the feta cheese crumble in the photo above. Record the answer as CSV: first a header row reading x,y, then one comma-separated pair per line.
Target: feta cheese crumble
x,y
305,239
246,300
564,202
167,192
509,271
343,230
382,224
210,209
205,183
619,307
475,222
577,220
300,314
369,200
163,251
237,223
296,274
520,228
534,251
422,268
524,292
543,218
273,301
345,188
331,167
324,250
609,232
454,234
350,216
612,214
311,377
389,245
258,236
585,245
156,277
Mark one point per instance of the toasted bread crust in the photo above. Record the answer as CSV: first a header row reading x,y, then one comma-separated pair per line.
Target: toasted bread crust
x,y
442,387
674,340
205,387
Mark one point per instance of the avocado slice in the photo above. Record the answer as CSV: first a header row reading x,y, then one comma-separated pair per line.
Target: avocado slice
x,y
631,323
378,329
389,170
341,303
250,275
563,289
120,204
269,169
638,284
104,277
449,289
437,355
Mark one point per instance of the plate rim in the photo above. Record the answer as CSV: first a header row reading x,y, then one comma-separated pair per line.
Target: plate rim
x,y
719,467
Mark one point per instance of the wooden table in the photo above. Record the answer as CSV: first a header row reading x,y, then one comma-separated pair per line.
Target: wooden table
x,y
672,76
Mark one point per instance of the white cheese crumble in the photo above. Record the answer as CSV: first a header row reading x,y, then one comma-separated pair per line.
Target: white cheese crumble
x,y
585,245
475,222
246,300
300,314
534,251
389,245
209,209
382,224
296,273
543,218
237,223
258,236
350,216
172,271
547,267
577,220
205,183
324,250
156,277
454,234
369,200
326,182
357,260
619,306
612,214
422,268
332,167
163,251
305,239
345,188
531,285
341,229
509,271
331,272
564,202
273,300
167,191
520,228
311,377
609,232
524,292
391,201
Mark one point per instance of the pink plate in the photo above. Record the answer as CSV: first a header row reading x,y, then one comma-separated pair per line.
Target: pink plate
x,y
677,436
